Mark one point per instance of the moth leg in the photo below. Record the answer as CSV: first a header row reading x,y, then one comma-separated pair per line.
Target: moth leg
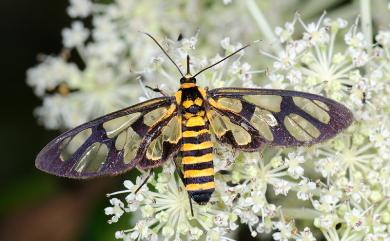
x,y
144,182
158,90
180,173
192,210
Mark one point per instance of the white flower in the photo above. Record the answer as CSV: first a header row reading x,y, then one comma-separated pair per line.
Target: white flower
x,y
53,117
359,57
355,219
328,166
75,36
116,210
241,71
107,51
285,60
314,33
50,73
286,32
305,188
284,232
306,235
355,40
294,76
337,24
293,162
80,8
383,37
281,187
230,48
325,221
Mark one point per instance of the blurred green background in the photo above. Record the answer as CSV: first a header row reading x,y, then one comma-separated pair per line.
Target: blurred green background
x,y
34,205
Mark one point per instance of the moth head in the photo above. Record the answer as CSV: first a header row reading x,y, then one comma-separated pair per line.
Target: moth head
x,y
188,79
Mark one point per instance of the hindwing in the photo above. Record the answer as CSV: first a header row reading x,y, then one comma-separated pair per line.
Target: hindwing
x,y
139,135
279,117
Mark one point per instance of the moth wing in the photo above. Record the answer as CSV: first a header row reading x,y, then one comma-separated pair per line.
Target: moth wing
x,y
232,129
109,145
163,143
282,117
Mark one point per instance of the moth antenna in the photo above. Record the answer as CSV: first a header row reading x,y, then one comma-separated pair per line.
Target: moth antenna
x,y
230,55
188,64
165,52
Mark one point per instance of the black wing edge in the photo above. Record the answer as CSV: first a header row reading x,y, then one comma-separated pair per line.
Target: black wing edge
x,y
48,159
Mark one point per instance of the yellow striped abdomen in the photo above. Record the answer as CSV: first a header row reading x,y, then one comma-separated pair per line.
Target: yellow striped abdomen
x,y
197,161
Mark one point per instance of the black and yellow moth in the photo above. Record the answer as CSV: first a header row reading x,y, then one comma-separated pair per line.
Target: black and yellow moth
x,y
180,127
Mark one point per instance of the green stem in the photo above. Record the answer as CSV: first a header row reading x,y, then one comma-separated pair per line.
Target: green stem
x,y
365,11
301,213
263,24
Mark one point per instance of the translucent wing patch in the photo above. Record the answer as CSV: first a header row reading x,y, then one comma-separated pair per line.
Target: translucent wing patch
x,y
282,117
164,143
109,145
231,129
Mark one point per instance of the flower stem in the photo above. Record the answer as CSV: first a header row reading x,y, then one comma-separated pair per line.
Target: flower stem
x,y
365,11
301,213
263,24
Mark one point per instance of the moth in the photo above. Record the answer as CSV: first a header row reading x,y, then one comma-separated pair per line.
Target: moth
x,y
180,127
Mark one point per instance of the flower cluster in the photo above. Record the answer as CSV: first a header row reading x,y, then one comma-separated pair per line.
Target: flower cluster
x,y
339,189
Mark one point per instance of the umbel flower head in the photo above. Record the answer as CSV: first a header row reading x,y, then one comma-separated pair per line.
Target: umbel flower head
x,y
338,190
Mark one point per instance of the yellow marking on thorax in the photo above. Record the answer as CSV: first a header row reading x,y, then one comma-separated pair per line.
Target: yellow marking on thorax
x,y
201,113
202,92
200,186
195,121
187,85
194,133
194,147
188,115
197,159
199,173
187,103
178,97
198,101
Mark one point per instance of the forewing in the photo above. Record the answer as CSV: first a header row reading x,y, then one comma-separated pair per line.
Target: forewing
x,y
230,128
108,145
163,142
282,117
